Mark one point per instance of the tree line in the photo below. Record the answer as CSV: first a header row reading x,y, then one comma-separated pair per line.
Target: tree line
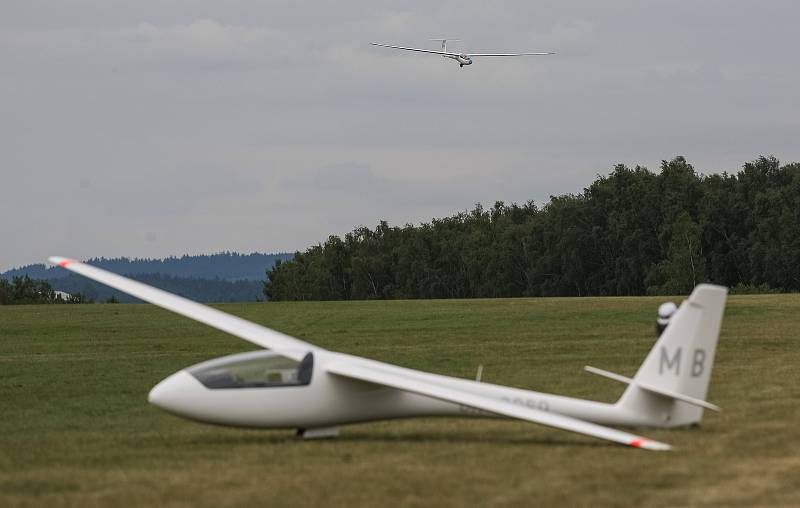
x,y
198,289
79,289
631,232
24,290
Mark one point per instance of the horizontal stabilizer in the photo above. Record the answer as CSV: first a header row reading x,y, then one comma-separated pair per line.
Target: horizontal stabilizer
x,y
609,375
653,389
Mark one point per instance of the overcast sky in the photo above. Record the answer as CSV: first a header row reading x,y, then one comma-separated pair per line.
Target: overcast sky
x,y
152,128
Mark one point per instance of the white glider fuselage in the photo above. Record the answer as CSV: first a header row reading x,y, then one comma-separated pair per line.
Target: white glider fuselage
x,y
462,59
329,400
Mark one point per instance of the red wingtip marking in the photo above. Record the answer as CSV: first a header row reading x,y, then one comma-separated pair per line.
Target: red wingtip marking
x,y
64,263
636,443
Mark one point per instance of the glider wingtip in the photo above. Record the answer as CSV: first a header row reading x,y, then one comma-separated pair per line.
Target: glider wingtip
x,y
60,261
649,445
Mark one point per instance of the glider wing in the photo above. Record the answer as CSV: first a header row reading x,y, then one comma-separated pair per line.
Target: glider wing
x,y
509,54
249,331
415,49
404,379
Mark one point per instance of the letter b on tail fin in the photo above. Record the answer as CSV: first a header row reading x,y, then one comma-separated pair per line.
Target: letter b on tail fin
x,y
681,360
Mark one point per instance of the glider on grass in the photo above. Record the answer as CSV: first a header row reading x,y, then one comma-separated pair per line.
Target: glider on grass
x,y
299,385
462,58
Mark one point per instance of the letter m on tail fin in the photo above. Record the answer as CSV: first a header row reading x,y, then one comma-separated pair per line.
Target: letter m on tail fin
x,y
681,360
666,363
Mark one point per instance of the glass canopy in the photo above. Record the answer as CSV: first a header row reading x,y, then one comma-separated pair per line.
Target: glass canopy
x,y
260,369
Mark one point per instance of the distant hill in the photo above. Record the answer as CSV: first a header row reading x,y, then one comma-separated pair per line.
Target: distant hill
x,y
222,277
197,289
230,266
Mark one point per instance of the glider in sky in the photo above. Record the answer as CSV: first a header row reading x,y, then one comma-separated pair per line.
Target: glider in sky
x,y
299,385
462,58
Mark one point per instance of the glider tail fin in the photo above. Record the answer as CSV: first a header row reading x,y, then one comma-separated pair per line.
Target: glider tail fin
x,y
671,385
444,42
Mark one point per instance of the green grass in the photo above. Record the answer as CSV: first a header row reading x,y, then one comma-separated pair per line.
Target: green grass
x,y
76,430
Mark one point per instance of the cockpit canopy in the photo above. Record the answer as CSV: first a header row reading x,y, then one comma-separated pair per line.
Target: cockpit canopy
x,y
257,369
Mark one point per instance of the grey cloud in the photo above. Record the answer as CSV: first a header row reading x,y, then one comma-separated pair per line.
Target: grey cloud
x,y
358,182
347,177
180,192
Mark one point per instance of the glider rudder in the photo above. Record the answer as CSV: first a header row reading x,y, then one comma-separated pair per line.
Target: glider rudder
x,y
671,385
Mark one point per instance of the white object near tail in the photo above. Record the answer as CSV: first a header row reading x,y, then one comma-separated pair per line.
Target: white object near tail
x,y
299,385
462,58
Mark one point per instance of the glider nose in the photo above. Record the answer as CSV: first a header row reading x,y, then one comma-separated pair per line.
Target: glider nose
x,y
175,393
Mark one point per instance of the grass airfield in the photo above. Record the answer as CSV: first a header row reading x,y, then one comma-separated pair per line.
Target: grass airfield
x,y
76,429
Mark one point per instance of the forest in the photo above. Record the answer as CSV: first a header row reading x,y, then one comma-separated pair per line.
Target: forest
x,y
199,289
631,232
